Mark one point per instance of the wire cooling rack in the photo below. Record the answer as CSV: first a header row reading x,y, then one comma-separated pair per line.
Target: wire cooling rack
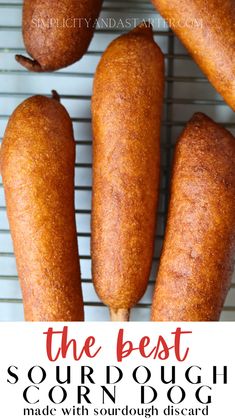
x,y
187,91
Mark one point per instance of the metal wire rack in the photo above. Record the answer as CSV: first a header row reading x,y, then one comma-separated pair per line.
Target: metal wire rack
x,y
187,91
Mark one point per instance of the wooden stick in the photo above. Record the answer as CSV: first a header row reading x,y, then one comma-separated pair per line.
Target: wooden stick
x,y
31,65
55,95
119,315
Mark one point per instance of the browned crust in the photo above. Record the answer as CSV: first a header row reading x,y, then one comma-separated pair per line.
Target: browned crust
x,y
207,29
119,315
55,95
29,64
57,33
197,260
126,113
37,165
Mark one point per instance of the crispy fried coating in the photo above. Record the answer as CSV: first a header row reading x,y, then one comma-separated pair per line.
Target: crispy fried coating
x,y
126,114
